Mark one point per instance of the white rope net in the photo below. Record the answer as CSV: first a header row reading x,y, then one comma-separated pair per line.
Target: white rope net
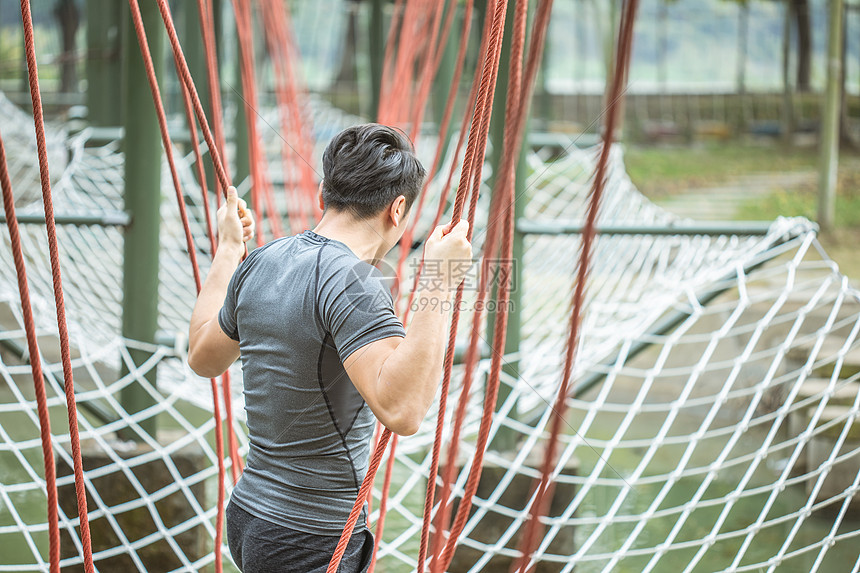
x,y
716,432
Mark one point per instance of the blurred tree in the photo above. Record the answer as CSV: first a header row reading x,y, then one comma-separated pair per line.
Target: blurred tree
x,y
347,73
608,28
846,138
66,14
743,42
800,10
800,15
787,99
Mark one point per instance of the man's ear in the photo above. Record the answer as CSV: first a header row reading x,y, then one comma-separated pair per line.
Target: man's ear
x,y
397,211
320,198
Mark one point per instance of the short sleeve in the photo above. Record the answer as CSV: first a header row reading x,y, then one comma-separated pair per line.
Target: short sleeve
x,y
356,307
227,314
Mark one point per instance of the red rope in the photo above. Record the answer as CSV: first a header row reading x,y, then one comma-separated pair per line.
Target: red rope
x,y
68,379
165,135
219,453
441,563
189,239
235,467
359,502
435,47
514,129
188,82
221,173
392,99
300,182
443,199
505,184
449,103
449,356
402,100
519,97
442,519
260,183
35,362
472,167
484,110
207,29
471,174
544,486
377,435
388,58
198,166
491,61
406,240
383,504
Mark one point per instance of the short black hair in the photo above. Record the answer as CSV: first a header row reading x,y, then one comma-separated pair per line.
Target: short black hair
x,y
366,167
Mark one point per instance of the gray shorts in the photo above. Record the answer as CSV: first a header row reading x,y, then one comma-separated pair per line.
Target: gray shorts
x,y
260,546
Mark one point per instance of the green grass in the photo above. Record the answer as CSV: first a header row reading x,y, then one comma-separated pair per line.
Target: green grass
x,y
804,202
659,170
662,171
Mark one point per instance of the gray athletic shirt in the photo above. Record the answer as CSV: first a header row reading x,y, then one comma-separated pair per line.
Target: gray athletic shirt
x,y
299,306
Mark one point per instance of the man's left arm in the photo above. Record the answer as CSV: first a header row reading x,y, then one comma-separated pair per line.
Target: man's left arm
x,y
210,350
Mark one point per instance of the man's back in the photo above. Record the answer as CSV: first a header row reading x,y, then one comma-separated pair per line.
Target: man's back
x,y
298,307
302,313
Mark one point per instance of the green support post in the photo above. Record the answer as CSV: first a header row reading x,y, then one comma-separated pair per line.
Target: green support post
x,y
609,40
505,439
240,127
104,39
444,77
543,97
377,54
192,46
787,101
830,121
142,146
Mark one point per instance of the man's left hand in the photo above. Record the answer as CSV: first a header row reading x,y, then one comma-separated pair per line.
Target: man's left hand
x,y
235,221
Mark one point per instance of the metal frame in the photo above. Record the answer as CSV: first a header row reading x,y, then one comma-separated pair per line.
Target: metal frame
x,y
715,228
95,409
105,219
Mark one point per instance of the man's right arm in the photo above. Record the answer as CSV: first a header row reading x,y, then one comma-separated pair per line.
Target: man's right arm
x,y
398,377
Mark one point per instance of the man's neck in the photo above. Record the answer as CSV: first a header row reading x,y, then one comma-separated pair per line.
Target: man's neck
x,y
362,236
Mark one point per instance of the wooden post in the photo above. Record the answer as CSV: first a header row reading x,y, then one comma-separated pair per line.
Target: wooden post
x,y
740,72
787,100
505,438
142,146
830,121
444,76
376,46
104,40
192,46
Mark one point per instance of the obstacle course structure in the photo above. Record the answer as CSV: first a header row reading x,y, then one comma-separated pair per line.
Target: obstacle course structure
x,y
711,425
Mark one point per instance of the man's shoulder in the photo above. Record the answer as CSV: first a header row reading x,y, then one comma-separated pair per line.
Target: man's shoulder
x,y
285,250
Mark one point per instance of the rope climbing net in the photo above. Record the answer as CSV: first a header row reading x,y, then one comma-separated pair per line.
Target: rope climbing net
x,y
709,424
754,391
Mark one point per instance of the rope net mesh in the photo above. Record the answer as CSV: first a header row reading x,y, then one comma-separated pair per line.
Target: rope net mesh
x,y
716,431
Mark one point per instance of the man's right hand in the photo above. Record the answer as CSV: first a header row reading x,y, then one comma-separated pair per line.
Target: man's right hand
x,y
453,252
235,221
398,377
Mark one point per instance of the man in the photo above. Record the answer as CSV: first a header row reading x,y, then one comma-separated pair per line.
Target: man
x,y
322,350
